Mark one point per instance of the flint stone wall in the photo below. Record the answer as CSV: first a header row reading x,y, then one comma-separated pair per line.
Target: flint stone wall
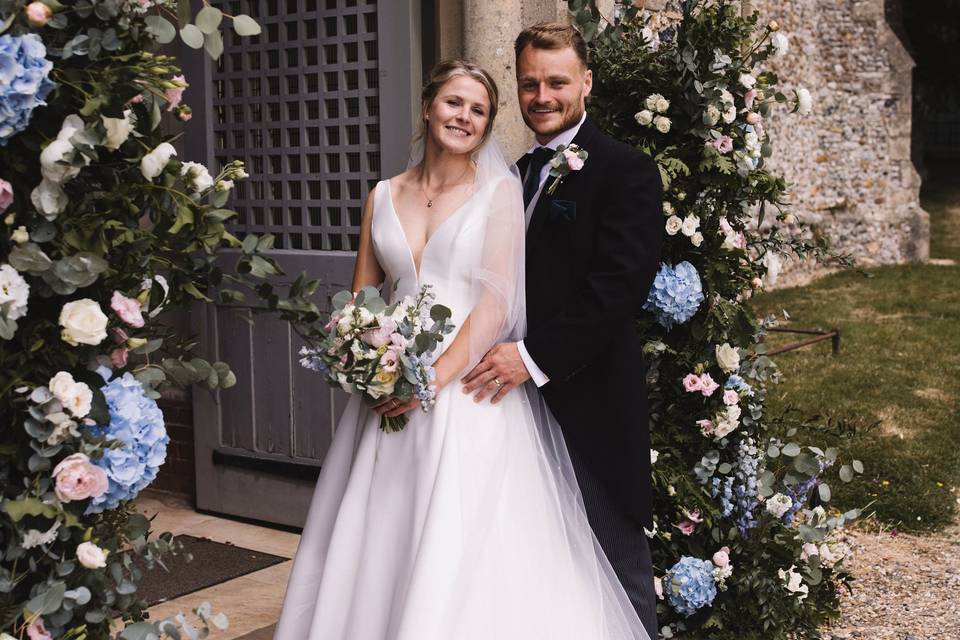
x,y
848,163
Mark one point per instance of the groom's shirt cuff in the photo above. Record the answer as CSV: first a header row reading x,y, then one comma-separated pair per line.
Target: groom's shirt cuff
x,y
539,377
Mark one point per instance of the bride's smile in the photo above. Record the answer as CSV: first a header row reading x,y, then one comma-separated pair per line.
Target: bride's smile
x,y
459,116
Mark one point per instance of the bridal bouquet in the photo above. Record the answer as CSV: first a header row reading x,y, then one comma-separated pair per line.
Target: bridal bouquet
x,y
381,351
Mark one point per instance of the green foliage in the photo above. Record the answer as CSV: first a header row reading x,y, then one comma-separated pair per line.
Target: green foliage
x,y
693,95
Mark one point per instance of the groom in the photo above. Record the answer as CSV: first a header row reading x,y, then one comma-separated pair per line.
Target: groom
x,y
593,248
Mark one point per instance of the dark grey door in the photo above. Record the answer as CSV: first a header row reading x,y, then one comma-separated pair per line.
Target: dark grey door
x,y
318,106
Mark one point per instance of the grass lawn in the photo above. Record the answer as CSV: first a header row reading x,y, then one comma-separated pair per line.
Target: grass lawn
x,y
896,380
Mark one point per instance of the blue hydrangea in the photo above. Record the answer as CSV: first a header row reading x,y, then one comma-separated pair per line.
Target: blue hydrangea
x,y
745,487
676,294
24,81
137,423
689,585
738,384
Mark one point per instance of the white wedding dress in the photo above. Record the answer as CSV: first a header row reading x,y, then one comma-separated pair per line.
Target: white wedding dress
x,y
468,524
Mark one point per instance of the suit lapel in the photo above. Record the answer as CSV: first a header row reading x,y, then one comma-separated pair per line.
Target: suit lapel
x,y
540,210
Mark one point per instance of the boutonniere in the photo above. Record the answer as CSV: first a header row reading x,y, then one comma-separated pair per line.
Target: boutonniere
x,y
567,158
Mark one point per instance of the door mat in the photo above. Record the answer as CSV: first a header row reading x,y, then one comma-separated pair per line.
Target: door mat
x,y
212,563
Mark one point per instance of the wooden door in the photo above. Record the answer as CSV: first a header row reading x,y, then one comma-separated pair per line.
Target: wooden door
x,y
318,106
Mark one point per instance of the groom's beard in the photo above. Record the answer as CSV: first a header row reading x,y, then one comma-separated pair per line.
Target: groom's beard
x,y
569,119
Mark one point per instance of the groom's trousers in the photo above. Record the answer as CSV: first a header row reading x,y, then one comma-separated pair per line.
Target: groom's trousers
x,y
624,543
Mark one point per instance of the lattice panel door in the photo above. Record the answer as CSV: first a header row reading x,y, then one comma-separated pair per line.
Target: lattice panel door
x,y
300,104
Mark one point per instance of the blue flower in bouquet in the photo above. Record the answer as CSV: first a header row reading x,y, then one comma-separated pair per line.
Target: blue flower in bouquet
x,y
689,585
676,294
24,81
738,384
137,423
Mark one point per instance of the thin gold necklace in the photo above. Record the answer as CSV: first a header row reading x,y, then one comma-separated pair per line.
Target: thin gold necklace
x,y
441,192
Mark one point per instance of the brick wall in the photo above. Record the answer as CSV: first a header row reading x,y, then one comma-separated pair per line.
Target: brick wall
x,y
177,474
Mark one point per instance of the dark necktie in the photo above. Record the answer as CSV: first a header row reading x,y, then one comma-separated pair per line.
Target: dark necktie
x,y
538,158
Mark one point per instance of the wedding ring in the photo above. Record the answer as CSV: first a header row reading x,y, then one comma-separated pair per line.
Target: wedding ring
x,y
497,382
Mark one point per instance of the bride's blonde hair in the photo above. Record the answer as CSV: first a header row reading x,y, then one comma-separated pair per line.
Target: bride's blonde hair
x,y
446,71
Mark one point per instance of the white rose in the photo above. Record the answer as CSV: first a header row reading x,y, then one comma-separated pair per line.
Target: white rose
x,y
91,556
724,428
711,116
654,455
56,159
14,293
653,100
644,118
662,124
729,114
73,395
781,44
83,322
196,176
118,129
20,235
727,357
674,224
690,225
696,239
778,504
804,101
747,80
662,104
366,318
726,98
153,164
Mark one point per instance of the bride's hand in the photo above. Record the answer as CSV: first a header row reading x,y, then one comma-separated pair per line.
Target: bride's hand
x,y
391,407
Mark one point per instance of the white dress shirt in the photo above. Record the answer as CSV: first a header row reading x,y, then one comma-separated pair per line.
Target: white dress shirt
x,y
566,137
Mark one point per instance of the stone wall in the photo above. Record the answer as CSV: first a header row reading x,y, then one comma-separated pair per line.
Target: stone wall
x,y
848,163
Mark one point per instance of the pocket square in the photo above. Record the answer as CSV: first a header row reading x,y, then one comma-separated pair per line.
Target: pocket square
x,y
563,211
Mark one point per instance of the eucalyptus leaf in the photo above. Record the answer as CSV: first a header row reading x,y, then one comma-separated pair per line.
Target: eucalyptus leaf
x,y
824,490
160,28
192,36
208,20
244,25
846,473
213,44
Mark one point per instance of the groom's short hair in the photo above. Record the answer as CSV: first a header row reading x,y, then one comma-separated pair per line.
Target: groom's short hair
x,y
552,35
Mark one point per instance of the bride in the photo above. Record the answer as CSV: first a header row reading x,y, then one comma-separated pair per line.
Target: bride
x,y
468,524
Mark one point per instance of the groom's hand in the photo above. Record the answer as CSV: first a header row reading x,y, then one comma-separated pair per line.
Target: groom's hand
x,y
502,364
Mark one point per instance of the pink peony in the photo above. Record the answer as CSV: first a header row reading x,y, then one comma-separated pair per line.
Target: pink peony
x,y
722,557
119,357
36,630
573,160
730,397
175,94
77,479
708,385
749,97
128,309
390,361
38,14
692,383
706,427
6,195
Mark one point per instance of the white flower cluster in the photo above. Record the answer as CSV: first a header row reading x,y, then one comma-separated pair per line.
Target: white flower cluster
x,y
778,504
655,105
60,163
793,582
14,293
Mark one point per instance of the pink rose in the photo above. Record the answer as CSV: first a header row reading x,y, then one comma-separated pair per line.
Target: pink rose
x,y
6,195
757,283
706,427
708,385
740,242
690,522
809,549
692,383
379,337
77,479
723,144
128,309
749,97
390,361
184,113
722,557
693,516
725,226
36,630
38,14
399,342
573,160
119,357
175,94
730,397
754,118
